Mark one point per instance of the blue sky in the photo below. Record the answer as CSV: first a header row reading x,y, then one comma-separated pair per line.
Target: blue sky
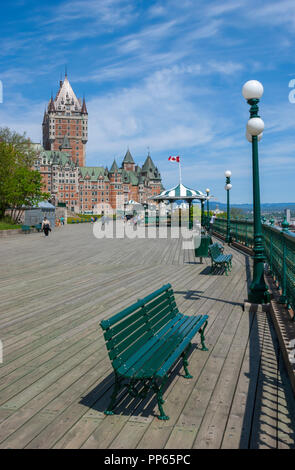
x,y
163,75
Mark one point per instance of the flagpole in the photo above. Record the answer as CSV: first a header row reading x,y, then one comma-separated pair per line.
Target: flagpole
x,y
179,172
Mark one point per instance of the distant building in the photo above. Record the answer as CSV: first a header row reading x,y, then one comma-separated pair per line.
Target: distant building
x,y
288,215
217,210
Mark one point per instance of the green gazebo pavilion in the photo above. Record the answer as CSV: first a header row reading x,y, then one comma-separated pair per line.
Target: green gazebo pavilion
x,y
181,193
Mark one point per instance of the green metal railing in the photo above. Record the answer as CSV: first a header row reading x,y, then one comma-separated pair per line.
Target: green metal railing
x,y
279,249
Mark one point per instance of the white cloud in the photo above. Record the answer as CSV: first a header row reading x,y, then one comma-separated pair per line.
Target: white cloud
x,y
156,114
22,115
109,12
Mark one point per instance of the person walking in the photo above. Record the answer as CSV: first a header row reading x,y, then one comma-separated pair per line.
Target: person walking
x,y
46,226
103,220
62,220
212,220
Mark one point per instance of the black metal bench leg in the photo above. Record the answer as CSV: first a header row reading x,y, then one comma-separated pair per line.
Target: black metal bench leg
x,y
185,363
158,390
204,348
117,386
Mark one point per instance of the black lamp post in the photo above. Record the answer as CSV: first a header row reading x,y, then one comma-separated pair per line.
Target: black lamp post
x,y
258,292
227,187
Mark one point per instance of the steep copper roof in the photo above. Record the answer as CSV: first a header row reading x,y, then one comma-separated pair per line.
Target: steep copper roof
x,y
66,98
128,157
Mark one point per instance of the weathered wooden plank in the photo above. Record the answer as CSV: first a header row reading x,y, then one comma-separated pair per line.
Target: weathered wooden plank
x,y
78,434
213,425
46,384
238,429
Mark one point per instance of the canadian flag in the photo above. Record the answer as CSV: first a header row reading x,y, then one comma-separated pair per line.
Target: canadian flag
x,y
174,159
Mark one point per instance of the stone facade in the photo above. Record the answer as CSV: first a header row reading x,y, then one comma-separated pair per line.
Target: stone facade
x,y
93,189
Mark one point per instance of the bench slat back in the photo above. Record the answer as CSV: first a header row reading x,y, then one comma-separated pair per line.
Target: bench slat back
x,y
130,329
214,250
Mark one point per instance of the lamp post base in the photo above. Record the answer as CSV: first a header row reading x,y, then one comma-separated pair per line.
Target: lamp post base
x,y
283,299
255,308
259,296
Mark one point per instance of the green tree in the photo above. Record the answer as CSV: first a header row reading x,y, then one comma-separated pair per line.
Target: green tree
x,y
25,151
20,185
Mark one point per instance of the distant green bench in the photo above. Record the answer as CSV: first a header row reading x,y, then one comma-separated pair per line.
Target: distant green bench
x,y
218,259
38,227
26,228
145,340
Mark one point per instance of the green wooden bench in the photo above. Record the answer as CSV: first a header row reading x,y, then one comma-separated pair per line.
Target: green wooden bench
x,y
26,228
38,227
220,246
218,259
145,340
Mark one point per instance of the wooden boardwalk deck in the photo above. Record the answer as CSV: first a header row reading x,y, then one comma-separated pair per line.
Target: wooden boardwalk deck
x,y
56,378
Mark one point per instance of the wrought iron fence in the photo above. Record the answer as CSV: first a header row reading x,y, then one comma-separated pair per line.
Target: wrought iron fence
x,y
279,251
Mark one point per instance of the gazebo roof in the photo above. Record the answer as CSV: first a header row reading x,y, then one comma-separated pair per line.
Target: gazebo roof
x,y
45,205
179,192
132,202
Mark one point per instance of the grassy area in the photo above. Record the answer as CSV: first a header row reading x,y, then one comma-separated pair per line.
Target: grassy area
x,y
8,224
81,217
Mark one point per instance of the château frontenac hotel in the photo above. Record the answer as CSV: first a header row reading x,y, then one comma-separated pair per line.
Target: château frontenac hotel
x,y
61,162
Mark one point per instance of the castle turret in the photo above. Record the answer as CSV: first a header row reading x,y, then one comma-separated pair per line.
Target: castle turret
x,y
128,162
67,116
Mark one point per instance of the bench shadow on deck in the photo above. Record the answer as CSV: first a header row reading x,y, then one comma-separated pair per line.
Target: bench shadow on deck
x,y
98,399
196,295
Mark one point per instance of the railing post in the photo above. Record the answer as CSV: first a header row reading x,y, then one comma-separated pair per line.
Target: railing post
x,y
246,235
270,247
283,296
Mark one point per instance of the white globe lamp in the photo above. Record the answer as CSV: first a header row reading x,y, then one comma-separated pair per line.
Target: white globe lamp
x,y
249,137
252,90
255,126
